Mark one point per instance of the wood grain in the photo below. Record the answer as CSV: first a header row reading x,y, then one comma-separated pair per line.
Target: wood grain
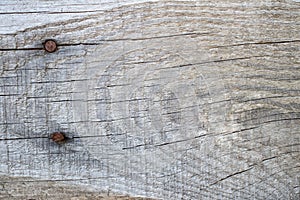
x,y
159,99
27,188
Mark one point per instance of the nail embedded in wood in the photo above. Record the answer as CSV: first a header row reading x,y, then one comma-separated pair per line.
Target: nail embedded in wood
x,y
50,45
58,137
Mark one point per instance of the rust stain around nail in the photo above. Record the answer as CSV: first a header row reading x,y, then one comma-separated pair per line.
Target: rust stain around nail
x,y
58,137
50,45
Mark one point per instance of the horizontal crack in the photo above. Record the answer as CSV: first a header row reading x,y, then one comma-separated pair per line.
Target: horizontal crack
x,y
22,49
167,143
258,43
150,38
109,40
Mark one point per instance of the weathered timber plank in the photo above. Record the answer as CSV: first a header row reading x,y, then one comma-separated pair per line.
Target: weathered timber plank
x,y
161,99
28,188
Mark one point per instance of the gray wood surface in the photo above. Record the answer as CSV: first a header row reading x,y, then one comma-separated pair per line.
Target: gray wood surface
x,y
160,99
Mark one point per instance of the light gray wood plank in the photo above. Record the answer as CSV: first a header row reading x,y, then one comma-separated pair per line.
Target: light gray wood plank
x,y
160,99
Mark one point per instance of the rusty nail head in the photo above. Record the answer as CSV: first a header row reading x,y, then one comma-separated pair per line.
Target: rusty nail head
x,y
58,137
50,45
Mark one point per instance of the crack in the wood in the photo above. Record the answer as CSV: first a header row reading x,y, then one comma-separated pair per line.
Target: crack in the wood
x,y
269,176
69,137
258,43
22,49
138,39
229,176
57,81
212,61
26,138
242,130
277,156
266,98
159,37
167,143
109,40
269,116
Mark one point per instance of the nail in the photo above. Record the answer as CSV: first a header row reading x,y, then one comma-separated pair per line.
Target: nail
x,y
58,137
50,45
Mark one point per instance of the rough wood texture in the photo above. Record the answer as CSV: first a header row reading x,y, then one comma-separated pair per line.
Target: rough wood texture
x,y
161,99
27,188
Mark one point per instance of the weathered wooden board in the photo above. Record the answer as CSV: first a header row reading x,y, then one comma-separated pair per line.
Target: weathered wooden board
x,y
160,99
